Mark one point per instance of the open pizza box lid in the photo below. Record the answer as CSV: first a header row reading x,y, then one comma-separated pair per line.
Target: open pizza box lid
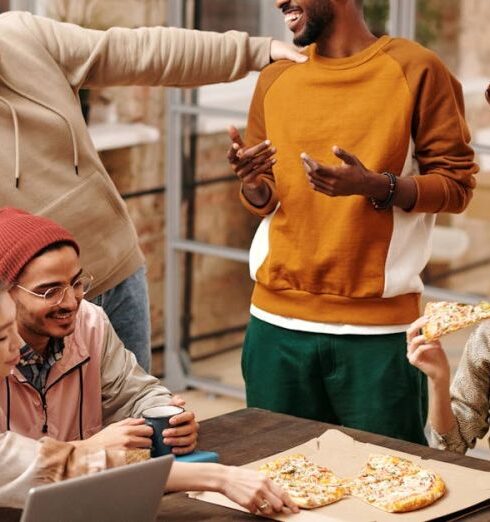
x,y
346,457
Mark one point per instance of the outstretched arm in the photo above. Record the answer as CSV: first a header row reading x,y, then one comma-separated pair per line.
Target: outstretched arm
x,y
153,55
246,487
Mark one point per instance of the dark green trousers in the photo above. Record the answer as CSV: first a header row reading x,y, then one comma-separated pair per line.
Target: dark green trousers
x,y
359,381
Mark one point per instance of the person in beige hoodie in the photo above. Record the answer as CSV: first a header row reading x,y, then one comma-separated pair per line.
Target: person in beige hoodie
x,y
115,386
48,163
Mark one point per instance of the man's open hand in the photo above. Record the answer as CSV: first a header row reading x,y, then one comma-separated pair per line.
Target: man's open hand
x,y
350,178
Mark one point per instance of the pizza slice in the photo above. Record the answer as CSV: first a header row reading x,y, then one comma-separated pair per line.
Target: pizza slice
x,y
396,485
446,317
308,484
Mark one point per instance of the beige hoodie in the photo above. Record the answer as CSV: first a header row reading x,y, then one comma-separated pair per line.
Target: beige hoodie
x,y
48,164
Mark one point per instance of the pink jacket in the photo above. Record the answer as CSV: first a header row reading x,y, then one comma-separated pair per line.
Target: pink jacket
x,y
96,382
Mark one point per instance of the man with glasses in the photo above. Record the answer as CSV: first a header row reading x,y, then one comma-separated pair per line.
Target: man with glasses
x,y
74,381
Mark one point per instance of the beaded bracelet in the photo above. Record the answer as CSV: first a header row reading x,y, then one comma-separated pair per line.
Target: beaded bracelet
x,y
388,202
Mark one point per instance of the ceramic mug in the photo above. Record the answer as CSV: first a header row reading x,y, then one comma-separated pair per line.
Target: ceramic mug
x,y
158,418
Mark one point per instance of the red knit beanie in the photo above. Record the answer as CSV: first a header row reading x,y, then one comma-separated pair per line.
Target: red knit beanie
x,y
24,235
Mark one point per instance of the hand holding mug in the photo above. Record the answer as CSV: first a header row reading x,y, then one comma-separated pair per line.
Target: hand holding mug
x,y
174,430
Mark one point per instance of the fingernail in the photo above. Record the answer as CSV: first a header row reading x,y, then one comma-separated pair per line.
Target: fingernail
x,y
267,142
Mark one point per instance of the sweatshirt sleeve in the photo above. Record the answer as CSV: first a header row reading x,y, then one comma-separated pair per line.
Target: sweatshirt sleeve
x,y
442,141
127,390
166,56
19,462
470,395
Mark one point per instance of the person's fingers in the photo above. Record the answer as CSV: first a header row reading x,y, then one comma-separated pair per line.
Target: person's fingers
x,y
235,136
309,163
182,418
345,156
139,442
284,51
415,342
181,439
184,450
251,152
233,154
139,430
414,328
182,431
283,497
321,186
177,400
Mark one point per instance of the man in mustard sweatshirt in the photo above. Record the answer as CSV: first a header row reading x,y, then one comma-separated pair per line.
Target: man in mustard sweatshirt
x,y
370,143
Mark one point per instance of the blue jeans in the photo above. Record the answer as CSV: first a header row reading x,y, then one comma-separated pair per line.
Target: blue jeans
x,y
128,308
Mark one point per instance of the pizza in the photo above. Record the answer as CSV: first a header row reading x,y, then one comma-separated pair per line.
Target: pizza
x,y
446,317
387,482
309,485
396,485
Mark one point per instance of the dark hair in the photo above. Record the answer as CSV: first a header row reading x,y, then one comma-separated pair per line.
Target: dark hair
x,y
53,246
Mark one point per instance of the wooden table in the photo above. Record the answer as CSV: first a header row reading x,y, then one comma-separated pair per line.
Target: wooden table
x,y
251,434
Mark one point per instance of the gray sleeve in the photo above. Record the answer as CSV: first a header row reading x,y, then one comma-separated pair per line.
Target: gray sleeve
x,y
127,390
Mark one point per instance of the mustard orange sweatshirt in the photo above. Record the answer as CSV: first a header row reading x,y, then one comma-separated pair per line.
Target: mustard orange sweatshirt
x,y
338,261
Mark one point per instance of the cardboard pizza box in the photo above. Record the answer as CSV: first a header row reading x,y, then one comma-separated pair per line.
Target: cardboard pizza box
x,y
345,457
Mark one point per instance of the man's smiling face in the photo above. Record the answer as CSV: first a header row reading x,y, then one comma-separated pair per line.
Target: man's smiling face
x,y
307,19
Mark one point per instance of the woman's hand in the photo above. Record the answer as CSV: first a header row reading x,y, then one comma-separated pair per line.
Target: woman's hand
x,y
428,357
255,491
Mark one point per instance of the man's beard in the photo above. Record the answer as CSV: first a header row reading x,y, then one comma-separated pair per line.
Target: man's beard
x,y
320,23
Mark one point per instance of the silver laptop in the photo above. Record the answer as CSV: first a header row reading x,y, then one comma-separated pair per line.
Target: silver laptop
x,y
130,493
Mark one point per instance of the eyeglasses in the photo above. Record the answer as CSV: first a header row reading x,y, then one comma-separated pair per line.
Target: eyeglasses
x,y
55,295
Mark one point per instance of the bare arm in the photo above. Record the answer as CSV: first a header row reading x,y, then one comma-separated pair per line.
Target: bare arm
x,y
431,359
246,487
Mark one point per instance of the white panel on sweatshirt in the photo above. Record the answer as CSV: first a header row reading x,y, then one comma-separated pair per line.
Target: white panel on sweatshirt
x,y
260,245
410,245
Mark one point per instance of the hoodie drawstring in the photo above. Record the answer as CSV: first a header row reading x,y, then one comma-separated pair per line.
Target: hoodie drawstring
x,y
16,133
16,128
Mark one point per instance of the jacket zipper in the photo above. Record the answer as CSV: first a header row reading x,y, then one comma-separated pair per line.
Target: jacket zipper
x,y
43,395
